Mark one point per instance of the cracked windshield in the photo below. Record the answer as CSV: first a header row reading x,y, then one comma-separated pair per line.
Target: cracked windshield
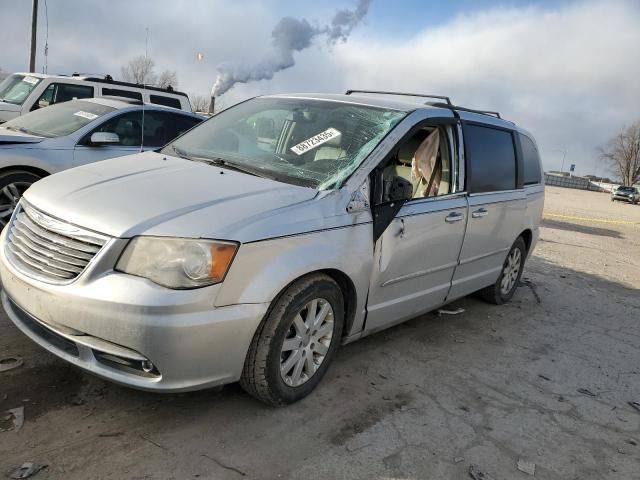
x,y
310,143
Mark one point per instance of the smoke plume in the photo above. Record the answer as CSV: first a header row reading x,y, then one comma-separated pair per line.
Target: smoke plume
x,y
290,35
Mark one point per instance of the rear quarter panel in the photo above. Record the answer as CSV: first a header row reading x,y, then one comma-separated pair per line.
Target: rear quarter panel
x,y
533,212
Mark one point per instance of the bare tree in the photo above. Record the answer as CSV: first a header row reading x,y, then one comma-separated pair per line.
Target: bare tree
x,y
168,78
199,103
623,154
139,70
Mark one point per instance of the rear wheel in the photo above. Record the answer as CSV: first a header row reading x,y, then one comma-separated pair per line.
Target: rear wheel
x,y
12,185
296,342
504,288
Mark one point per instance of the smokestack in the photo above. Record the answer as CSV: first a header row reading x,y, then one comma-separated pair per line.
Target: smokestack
x,y
212,105
290,35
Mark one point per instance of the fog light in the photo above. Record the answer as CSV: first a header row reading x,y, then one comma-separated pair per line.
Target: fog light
x,y
147,366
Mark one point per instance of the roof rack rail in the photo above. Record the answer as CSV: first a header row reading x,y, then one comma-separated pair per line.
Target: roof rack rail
x,y
109,79
464,109
440,97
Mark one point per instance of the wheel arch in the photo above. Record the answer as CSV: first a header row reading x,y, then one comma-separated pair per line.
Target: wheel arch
x,y
346,285
349,296
25,168
527,236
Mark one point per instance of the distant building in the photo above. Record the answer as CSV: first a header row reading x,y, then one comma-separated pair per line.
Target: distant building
x,y
560,174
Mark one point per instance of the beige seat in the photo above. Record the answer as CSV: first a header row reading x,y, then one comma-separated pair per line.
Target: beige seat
x,y
332,150
426,168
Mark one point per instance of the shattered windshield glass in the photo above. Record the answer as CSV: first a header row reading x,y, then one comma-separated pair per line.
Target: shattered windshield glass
x,y
313,143
16,88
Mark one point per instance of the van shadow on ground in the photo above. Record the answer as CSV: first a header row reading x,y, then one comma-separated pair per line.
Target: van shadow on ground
x,y
490,385
575,227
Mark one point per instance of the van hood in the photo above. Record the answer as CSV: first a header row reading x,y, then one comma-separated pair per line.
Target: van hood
x,y
10,136
8,111
9,107
154,194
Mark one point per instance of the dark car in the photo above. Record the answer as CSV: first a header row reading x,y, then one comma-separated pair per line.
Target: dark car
x,y
626,194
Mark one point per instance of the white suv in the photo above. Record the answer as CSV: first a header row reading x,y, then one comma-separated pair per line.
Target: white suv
x,y
21,93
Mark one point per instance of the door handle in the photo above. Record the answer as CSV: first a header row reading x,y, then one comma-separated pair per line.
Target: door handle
x,y
481,212
453,217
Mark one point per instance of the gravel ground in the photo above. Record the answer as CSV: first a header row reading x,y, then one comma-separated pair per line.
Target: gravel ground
x,y
546,379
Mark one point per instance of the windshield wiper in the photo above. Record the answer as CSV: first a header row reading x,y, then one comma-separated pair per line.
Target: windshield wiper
x,y
180,153
18,129
221,162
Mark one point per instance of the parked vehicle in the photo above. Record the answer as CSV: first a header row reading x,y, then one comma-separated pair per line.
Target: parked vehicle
x,y
625,194
254,245
76,133
21,93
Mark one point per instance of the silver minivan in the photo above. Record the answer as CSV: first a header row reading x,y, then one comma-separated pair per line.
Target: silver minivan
x,y
250,248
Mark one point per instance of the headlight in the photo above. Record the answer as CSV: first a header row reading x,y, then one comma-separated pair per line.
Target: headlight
x,y
178,262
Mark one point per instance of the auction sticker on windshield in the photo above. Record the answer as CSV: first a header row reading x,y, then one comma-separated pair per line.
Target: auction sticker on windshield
x,y
30,80
315,141
87,115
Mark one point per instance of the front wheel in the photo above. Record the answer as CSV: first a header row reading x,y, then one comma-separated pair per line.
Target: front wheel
x,y
504,288
12,185
295,343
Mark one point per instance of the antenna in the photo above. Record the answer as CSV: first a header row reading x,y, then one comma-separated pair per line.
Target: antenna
x,y
46,38
144,83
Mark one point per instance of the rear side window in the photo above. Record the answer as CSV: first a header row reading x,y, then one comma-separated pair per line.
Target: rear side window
x,y
116,92
531,160
166,101
492,159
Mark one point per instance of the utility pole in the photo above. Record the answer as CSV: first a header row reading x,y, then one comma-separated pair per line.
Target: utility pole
x,y
34,36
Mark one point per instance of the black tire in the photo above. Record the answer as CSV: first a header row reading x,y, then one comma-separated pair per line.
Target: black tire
x,y
261,375
494,293
13,184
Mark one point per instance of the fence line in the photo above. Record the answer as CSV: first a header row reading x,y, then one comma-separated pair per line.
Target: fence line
x,y
580,183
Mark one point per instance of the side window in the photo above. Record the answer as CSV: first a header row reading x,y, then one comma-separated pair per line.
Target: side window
x,y
166,101
181,123
128,126
492,159
62,92
531,159
114,92
425,159
162,127
159,128
46,98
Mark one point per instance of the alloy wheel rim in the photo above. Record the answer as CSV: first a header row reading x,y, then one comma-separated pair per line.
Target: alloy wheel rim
x,y
510,271
9,197
307,342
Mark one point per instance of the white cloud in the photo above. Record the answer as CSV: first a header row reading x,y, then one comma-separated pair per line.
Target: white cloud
x,y
569,75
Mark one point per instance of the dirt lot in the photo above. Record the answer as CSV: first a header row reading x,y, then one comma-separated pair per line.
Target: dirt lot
x,y
547,379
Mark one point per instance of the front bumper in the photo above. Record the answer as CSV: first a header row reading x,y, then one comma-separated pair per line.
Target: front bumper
x,y
624,198
109,323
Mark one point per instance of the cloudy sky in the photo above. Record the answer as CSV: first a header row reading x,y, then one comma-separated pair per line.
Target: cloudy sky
x,y
566,70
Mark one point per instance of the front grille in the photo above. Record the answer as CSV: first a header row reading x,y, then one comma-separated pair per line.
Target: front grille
x,y
48,249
